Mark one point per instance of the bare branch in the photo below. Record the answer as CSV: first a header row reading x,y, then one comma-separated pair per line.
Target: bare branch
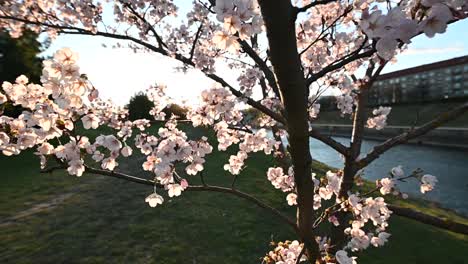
x,y
342,149
151,28
405,137
340,63
315,3
203,187
269,75
429,219
250,101
194,45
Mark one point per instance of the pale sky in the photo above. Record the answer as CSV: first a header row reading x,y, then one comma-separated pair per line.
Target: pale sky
x,y
120,73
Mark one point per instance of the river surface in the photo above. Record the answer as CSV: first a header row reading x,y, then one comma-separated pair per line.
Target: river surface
x,y
449,165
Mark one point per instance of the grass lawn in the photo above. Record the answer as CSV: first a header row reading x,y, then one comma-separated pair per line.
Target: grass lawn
x,y
107,221
403,115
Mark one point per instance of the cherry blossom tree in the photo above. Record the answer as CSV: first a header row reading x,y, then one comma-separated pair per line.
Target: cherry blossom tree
x,y
285,53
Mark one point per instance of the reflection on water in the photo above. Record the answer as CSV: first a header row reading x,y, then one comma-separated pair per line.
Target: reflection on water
x,y
449,165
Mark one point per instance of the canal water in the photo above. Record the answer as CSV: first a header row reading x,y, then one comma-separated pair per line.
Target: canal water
x,y
449,165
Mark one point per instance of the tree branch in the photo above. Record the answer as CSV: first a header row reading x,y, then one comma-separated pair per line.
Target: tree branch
x,y
269,75
197,36
404,137
334,66
197,188
342,149
429,219
315,3
177,56
151,28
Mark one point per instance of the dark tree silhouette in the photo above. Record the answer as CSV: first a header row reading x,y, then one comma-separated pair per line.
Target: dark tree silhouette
x,y
139,107
20,56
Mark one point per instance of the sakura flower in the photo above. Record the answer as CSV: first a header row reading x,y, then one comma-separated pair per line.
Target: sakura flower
x,y
97,156
90,121
386,48
195,167
126,151
3,98
66,56
22,80
236,162
245,31
174,189
398,171
224,41
4,138
379,121
387,185
428,182
380,239
342,258
9,150
109,164
232,24
112,143
222,8
76,167
436,22
291,198
154,199
44,149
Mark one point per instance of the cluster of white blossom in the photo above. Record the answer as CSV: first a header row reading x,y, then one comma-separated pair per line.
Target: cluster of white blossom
x,y
241,19
273,104
332,187
346,99
251,142
216,103
284,182
157,95
248,79
388,185
379,121
49,110
428,182
225,136
164,152
343,258
367,210
403,22
285,253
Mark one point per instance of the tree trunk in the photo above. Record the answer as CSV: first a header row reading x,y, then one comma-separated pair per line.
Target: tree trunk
x,y
351,167
279,17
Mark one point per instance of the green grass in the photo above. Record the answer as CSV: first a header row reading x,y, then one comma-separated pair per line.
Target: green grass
x,y
107,221
403,115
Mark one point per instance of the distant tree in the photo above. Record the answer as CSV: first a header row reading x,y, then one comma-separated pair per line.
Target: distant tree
x,y
19,56
139,107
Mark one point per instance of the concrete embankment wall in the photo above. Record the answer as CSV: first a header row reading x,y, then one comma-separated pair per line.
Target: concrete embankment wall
x,y
443,136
